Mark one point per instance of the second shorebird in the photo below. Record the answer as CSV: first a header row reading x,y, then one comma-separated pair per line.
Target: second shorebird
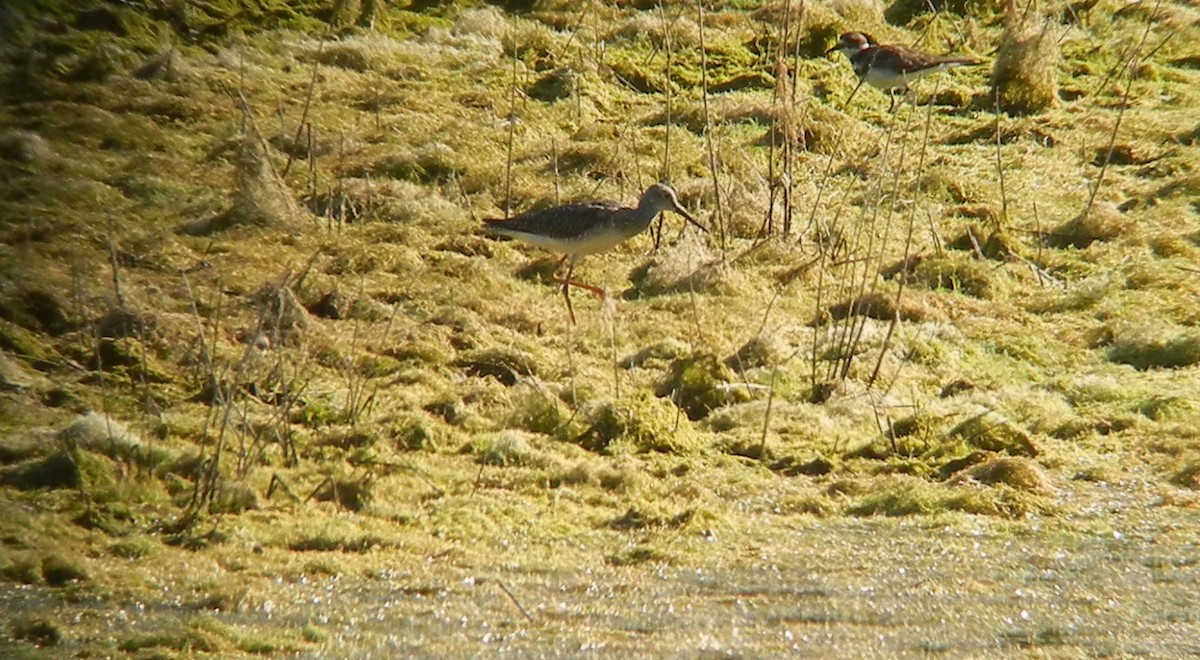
x,y
890,67
584,228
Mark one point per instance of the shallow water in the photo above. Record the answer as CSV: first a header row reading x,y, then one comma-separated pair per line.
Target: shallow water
x,y
840,588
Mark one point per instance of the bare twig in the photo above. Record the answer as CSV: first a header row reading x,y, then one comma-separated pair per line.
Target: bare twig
x,y
308,96
713,165
512,132
116,272
1132,73
514,600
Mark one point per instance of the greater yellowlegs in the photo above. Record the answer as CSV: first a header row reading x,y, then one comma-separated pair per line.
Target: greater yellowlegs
x,y
890,67
587,228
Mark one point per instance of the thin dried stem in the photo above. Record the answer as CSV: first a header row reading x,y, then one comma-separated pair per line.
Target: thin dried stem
x,y
713,166
308,97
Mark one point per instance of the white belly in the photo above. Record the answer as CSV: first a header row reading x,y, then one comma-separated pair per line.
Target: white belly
x,y
589,244
885,80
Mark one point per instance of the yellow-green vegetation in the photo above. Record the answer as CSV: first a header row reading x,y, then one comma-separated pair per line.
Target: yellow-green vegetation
x,y
1025,78
929,383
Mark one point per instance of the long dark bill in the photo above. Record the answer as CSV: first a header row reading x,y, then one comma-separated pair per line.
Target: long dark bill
x,y
687,216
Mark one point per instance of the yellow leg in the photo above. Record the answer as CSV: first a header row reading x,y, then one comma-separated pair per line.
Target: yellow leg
x,y
568,283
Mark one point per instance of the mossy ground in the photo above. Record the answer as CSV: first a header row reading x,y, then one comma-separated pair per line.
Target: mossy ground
x,y
964,322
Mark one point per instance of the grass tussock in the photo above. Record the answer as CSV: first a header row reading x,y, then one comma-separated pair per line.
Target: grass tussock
x,y
1101,222
39,632
878,306
903,12
638,424
698,384
1150,347
507,449
993,432
1188,476
261,197
1025,76
909,496
24,146
1016,472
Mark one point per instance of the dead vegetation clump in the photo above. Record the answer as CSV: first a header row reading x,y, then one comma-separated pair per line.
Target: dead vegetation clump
x,y
902,12
101,434
261,196
699,384
1100,222
904,495
554,85
996,244
874,305
536,410
233,497
817,23
637,424
58,570
737,109
666,349
168,65
432,162
758,352
352,55
24,146
822,130
1188,476
993,432
507,365
283,317
58,470
39,632
509,448
858,13
34,308
1025,77
487,22
1017,472
350,494
955,273
121,322
688,266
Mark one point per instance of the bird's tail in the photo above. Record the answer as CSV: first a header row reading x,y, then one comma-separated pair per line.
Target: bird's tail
x,y
493,227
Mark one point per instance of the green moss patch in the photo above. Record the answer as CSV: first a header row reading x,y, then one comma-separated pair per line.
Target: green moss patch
x,y
639,424
992,432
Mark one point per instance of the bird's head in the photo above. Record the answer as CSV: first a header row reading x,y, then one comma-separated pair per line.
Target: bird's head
x,y
661,197
851,43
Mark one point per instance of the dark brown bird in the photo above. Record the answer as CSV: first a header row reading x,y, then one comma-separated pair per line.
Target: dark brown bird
x,y
587,228
891,67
